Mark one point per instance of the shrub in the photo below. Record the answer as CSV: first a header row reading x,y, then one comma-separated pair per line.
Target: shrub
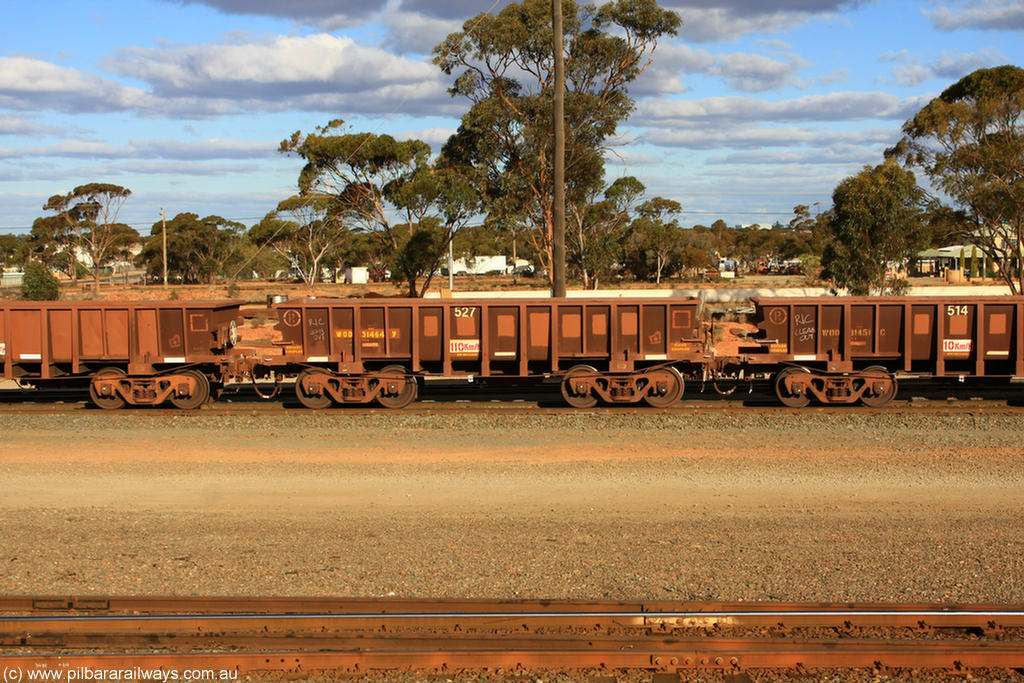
x,y
39,284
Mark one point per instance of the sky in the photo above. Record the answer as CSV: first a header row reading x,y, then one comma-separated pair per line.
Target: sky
x,y
755,107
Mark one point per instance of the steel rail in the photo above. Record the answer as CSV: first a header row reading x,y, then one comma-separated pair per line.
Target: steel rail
x,y
270,642
276,634
389,654
15,629
181,615
12,627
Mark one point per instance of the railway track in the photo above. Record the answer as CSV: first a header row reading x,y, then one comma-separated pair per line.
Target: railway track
x,y
922,396
239,635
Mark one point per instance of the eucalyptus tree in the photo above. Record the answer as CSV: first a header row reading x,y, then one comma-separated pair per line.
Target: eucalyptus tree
x,y
656,241
597,228
503,65
50,243
306,230
388,188
876,221
970,142
89,214
12,249
198,249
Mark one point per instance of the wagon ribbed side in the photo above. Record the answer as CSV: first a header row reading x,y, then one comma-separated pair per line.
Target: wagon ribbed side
x,y
347,349
139,352
845,349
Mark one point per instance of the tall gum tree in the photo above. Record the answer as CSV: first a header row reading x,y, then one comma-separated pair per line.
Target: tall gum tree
x,y
90,216
389,188
503,65
596,228
970,142
198,249
876,220
307,231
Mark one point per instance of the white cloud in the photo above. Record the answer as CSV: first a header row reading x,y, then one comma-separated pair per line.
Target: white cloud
x,y
621,157
412,32
148,149
283,65
712,25
709,21
741,71
317,73
997,15
841,106
951,65
758,137
757,73
824,154
327,14
671,62
435,137
33,84
12,125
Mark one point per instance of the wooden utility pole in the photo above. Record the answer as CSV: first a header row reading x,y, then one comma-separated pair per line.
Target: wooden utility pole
x,y
558,210
163,221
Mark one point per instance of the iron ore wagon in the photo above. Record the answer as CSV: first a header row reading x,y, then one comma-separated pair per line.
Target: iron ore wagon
x,y
849,349
621,350
140,353
617,350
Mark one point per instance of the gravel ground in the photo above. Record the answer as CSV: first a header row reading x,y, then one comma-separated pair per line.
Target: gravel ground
x,y
744,504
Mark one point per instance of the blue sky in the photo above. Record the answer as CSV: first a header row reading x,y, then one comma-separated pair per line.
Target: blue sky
x,y
755,107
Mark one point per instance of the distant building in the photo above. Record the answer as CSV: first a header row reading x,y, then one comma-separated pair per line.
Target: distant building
x,y
938,261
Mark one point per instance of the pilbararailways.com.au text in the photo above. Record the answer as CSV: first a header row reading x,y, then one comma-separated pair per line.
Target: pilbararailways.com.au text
x,y
76,674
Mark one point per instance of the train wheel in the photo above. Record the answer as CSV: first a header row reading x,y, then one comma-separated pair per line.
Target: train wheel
x,y
575,394
405,395
106,401
666,387
313,401
789,398
197,397
887,394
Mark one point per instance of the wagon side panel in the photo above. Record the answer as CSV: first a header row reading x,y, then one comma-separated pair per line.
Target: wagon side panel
x,y
998,327
431,335
538,334
5,344
503,334
27,335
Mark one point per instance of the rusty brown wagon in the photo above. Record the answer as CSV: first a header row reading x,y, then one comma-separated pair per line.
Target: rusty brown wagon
x,y
616,350
138,353
850,349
